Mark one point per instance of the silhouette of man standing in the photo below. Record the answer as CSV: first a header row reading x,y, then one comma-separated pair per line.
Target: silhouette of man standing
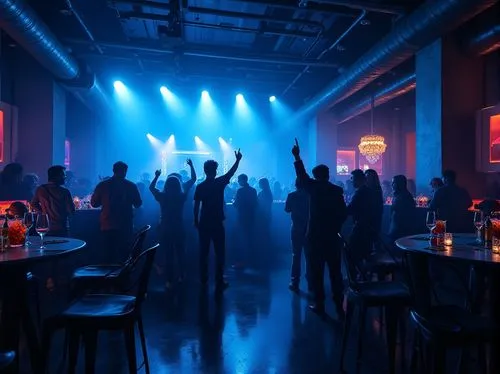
x,y
210,222
246,204
327,213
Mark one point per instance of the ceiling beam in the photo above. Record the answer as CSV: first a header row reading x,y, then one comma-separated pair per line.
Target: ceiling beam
x,y
369,6
263,31
283,4
208,53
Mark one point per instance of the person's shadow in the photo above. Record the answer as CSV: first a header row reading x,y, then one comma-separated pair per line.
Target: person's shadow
x,y
211,329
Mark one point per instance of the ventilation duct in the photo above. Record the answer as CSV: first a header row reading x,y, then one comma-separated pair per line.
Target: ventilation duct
x,y
423,26
23,25
485,41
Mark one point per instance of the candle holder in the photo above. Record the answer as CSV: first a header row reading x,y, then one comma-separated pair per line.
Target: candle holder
x,y
495,246
448,239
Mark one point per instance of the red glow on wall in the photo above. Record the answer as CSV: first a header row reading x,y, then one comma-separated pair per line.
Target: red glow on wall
x,y
1,136
346,161
495,138
67,154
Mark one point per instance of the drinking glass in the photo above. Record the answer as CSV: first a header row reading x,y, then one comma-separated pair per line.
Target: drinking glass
x,y
478,224
29,221
42,227
430,221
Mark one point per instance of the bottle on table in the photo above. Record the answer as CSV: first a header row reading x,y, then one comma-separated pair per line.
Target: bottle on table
x,y
488,232
5,234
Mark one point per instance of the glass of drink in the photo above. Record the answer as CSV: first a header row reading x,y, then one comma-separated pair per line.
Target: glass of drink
x,y
42,227
478,224
29,221
430,221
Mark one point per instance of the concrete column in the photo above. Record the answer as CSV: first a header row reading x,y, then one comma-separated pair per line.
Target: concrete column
x,y
449,92
42,117
326,142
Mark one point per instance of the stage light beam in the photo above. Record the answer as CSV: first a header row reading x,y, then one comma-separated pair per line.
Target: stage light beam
x,y
272,99
205,94
119,86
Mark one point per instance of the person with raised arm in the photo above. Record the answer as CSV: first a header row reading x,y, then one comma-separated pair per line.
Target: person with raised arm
x,y
327,213
172,232
209,220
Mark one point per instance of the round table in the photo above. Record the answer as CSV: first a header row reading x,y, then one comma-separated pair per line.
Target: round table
x,y
464,248
15,263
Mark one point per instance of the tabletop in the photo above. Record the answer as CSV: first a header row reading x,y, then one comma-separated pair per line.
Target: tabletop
x,y
55,246
464,248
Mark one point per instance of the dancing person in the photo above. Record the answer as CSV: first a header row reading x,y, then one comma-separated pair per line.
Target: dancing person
x,y
265,198
246,204
117,196
297,204
172,234
210,220
327,213
55,200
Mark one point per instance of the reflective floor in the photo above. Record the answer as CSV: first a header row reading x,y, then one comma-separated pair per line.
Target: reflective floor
x,y
258,326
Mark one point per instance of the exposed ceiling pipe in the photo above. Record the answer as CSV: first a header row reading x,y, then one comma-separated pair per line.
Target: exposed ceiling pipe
x,y
423,26
482,43
264,31
385,94
212,55
283,4
368,6
23,25
485,41
258,17
325,51
84,26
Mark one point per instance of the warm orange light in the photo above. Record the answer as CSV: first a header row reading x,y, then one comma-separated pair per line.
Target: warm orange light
x,y
495,139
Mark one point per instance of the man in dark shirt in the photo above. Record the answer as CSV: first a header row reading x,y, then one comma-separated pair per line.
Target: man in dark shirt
x,y
117,196
210,222
451,204
297,203
402,209
246,204
327,213
363,209
55,201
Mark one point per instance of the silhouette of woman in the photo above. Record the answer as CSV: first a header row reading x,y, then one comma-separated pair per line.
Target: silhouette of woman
x,y
172,236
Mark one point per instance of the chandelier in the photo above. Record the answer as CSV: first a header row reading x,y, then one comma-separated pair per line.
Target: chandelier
x,y
372,146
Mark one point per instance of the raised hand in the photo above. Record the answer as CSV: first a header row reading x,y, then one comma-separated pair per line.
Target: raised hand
x,y
189,162
157,173
238,155
296,148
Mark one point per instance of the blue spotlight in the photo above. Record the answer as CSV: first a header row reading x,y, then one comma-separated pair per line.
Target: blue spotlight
x,y
205,94
272,99
240,97
164,90
119,86
197,139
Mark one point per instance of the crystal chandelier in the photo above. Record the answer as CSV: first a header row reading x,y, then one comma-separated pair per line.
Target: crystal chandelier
x,y
372,146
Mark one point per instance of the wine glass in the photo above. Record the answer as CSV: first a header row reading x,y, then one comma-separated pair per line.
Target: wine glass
x,y
42,227
478,224
430,221
29,221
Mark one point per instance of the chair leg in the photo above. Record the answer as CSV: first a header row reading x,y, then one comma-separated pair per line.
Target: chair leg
x,y
144,347
403,320
415,350
391,322
129,333
361,332
90,342
74,345
345,335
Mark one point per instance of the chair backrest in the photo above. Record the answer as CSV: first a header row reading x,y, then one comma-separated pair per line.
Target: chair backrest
x,y
353,272
141,271
137,244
